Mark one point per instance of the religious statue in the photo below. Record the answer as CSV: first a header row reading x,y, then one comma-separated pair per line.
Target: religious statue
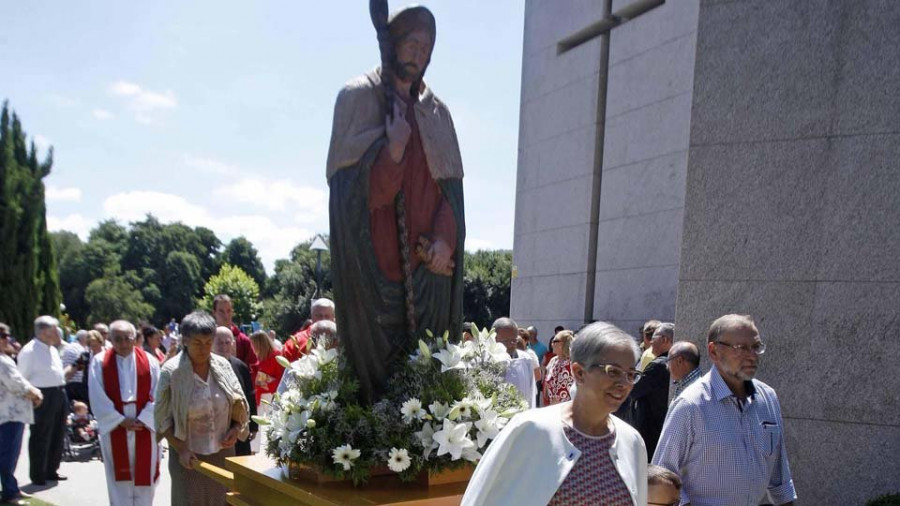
x,y
396,205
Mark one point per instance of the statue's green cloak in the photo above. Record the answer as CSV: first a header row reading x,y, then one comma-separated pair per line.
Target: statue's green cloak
x,y
370,309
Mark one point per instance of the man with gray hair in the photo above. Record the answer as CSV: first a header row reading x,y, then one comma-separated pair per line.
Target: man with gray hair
x,y
684,366
223,345
650,396
724,434
122,385
41,365
520,372
295,347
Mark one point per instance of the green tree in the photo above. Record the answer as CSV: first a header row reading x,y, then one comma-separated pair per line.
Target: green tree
x,y
238,285
181,277
241,253
486,292
115,297
28,271
291,290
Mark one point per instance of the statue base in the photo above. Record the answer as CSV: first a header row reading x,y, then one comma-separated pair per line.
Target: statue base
x,y
259,481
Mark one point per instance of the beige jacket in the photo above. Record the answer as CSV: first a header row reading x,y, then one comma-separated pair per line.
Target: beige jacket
x,y
173,395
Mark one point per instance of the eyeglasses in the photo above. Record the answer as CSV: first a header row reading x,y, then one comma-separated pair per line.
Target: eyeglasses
x,y
757,348
4,335
617,374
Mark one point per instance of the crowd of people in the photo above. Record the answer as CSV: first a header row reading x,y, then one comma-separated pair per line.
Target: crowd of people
x,y
671,430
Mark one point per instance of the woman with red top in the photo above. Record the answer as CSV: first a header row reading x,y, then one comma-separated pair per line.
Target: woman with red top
x,y
270,371
152,342
559,370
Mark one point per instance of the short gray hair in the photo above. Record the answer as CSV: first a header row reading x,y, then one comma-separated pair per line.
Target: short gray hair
x,y
198,323
685,349
323,327
323,302
729,323
44,322
593,341
123,326
81,335
666,330
505,323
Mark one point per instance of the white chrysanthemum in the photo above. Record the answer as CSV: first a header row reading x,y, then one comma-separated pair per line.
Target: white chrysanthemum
x,y
344,456
398,460
412,410
453,438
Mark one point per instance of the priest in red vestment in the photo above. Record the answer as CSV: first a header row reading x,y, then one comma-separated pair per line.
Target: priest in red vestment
x,y
122,381
295,347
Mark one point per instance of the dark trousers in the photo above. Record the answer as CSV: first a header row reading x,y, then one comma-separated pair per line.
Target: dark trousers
x,y
242,448
45,445
10,447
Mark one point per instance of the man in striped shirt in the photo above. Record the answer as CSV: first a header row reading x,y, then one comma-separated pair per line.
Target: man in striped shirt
x,y
724,434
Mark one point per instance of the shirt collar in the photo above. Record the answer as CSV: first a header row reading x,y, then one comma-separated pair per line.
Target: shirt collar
x,y
721,390
688,377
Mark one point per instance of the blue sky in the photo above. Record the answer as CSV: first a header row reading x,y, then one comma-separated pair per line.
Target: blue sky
x,y
219,113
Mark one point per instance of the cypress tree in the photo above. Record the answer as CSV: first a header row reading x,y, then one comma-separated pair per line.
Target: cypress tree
x,y
28,271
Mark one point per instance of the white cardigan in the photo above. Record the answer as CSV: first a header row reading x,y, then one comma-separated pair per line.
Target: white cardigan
x,y
531,457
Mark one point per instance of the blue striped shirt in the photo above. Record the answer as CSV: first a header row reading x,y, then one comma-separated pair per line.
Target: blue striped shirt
x,y
725,453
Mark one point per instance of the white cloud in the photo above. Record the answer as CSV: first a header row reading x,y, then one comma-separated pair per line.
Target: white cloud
x,y
209,165
54,194
101,114
143,103
278,195
271,239
474,244
73,223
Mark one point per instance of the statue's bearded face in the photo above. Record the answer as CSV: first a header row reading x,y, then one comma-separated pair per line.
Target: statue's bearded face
x,y
413,54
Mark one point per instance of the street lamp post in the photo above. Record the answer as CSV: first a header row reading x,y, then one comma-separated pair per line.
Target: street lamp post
x,y
318,245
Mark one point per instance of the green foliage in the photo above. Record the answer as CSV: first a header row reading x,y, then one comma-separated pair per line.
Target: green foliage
x,y
291,290
115,297
235,283
28,272
486,292
885,500
241,253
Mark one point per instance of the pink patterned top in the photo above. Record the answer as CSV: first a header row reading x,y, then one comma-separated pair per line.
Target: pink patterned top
x,y
594,478
559,380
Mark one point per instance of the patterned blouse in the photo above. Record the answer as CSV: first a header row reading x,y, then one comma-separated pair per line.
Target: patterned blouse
x,y
594,479
559,380
14,407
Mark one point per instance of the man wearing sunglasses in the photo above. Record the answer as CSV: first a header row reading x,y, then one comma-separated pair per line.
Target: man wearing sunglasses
x,y
724,434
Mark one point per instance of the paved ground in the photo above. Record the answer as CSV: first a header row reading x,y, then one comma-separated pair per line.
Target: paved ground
x,y
86,485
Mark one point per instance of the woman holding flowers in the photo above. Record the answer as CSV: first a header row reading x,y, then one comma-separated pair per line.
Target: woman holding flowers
x,y
574,452
201,411
270,371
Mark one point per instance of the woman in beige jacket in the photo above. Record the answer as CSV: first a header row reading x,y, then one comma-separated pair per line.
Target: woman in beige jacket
x,y
201,411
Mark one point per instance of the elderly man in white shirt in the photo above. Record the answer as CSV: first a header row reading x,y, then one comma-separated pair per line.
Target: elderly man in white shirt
x,y
122,384
40,364
520,372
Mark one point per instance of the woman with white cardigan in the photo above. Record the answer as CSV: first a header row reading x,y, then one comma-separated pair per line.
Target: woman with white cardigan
x,y
576,452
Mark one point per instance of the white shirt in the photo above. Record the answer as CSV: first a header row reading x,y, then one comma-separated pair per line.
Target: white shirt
x,y
40,365
520,374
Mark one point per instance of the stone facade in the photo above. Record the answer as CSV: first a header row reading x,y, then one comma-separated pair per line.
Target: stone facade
x,y
749,165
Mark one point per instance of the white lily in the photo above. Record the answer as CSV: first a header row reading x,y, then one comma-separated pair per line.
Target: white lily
x,y
426,439
423,349
451,358
307,367
494,351
469,349
471,454
398,460
439,410
453,438
489,426
324,356
344,456
296,423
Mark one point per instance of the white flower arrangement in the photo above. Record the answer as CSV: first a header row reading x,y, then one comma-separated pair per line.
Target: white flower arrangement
x,y
318,421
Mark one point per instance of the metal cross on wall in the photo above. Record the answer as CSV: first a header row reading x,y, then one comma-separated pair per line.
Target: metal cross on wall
x,y
602,29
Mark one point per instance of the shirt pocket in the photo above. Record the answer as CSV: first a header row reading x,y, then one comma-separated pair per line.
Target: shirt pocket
x,y
769,439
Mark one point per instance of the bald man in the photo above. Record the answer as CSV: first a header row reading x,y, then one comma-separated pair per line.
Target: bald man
x,y
684,366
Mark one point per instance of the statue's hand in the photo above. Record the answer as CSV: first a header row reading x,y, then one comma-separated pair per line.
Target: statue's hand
x,y
441,258
398,132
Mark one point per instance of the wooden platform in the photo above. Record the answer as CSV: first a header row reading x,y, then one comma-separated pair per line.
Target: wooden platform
x,y
259,482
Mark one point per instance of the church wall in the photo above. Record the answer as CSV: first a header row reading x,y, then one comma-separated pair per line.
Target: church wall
x,y
791,216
